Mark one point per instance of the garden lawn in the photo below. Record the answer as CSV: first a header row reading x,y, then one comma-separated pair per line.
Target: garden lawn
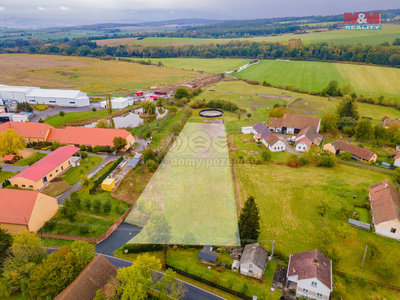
x,y
197,162
314,76
5,175
214,65
56,187
31,159
88,222
188,261
289,200
73,175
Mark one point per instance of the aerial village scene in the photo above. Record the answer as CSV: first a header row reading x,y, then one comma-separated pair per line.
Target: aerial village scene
x,y
194,158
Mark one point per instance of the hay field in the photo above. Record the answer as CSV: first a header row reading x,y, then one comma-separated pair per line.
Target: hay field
x,y
87,74
193,190
314,76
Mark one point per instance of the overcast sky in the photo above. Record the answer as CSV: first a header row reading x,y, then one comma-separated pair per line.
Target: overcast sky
x,y
26,13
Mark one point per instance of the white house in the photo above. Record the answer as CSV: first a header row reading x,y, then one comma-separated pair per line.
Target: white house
x,y
293,124
264,135
273,143
35,95
397,159
306,137
118,103
311,274
253,260
385,209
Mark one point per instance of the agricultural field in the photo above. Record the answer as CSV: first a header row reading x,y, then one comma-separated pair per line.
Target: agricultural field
x,y
290,201
90,75
314,76
214,65
180,217
257,100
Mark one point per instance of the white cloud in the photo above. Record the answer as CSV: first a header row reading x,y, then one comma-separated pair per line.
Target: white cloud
x,y
41,8
64,8
2,8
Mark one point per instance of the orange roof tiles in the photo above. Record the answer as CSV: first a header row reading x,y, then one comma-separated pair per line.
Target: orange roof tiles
x,y
385,202
16,206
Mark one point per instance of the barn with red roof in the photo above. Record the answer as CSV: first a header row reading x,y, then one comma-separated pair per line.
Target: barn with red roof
x,y
25,210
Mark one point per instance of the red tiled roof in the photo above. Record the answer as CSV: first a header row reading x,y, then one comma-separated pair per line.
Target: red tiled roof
x,y
397,155
310,133
304,139
27,129
9,157
311,264
16,206
294,121
271,139
385,202
87,136
47,163
353,149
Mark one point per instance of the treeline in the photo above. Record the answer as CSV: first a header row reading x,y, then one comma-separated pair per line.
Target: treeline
x,y
380,55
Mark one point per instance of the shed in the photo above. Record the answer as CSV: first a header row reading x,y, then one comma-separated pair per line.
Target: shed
x,y
10,159
235,265
108,184
360,225
208,257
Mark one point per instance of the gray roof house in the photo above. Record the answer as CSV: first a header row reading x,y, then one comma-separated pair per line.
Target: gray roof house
x,y
253,260
207,256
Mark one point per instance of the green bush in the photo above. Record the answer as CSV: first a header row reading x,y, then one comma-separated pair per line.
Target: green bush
x,y
137,248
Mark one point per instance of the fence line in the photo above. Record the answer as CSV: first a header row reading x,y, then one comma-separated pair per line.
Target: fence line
x,y
212,284
385,285
354,164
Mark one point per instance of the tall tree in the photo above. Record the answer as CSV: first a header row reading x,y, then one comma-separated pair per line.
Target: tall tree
x,y
5,244
119,143
10,142
347,108
181,93
170,288
249,222
364,130
328,122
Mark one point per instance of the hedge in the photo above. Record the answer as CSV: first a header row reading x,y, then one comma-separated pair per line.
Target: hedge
x,y
99,180
137,248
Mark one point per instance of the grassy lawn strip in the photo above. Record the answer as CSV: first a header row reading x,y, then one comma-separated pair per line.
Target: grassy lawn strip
x,y
5,175
58,120
56,187
290,199
75,174
88,222
188,261
30,160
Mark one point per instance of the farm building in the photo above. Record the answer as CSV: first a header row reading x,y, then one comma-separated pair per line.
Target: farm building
x,y
253,260
385,209
358,153
36,132
98,272
263,135
306,137
310,273
25,210
45,170
118,103
293,124
35,95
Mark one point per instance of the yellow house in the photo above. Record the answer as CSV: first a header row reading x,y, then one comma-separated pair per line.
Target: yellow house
x,y
25,210
46,169
108,184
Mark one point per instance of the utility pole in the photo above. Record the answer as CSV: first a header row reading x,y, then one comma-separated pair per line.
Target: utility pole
x,y
365,253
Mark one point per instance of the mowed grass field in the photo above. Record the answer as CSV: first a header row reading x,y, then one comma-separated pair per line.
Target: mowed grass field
x,y
289,198
193,190
314,76
215,65
258,100
90,75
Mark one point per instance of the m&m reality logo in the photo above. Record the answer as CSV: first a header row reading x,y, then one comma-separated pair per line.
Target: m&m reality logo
x,y
362,21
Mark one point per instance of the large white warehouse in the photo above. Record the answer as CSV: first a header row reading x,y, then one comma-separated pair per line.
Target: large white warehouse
x,y
35,95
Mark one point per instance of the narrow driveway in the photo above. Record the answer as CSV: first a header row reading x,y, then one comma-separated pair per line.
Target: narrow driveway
x,y
11,168
124,233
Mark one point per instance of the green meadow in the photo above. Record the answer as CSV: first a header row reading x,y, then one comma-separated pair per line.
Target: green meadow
x,y
314,76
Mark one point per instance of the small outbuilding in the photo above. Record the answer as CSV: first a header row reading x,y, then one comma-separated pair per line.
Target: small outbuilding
x,y
10,159
207,256
253,260
108,184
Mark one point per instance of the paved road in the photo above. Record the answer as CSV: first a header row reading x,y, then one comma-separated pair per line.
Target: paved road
x,y
124,233
11,168
192,292
48,113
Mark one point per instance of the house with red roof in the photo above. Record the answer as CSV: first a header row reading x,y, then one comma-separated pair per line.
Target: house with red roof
x,y
358,153
310,273
306,137
385,209
37,132
25,210
45,170
262,134
293,124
